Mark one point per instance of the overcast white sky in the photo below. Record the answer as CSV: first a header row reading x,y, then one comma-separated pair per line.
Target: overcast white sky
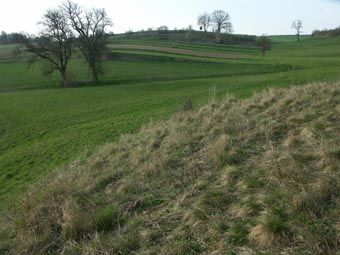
x,y
248,16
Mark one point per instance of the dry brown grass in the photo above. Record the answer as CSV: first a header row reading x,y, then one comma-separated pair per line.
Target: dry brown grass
x,y
259,175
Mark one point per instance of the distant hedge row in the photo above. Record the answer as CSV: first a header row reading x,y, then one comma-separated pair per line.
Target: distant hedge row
x,y
12,38
327,32
188,36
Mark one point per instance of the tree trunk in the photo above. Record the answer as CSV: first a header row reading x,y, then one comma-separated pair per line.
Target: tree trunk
x,y
218,38
298,38
94,72
63,81
263,52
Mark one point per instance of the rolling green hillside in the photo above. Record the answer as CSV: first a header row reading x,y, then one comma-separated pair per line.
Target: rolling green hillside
x,y
43,127
253,176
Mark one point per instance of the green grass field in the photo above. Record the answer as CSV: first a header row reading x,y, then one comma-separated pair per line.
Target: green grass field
x,y
43,127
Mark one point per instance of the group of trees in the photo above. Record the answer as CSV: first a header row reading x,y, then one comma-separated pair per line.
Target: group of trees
x,y
263,43
12,38
65,29
326,32
217,22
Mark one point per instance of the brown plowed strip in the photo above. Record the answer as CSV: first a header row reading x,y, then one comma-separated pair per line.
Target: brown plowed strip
x,y
208,54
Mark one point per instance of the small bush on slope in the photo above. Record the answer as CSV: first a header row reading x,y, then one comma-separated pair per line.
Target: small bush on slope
x,y
257,176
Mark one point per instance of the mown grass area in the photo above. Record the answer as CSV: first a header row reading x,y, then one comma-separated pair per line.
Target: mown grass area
x,y
18,76
7,52
252,176
289,38
42,127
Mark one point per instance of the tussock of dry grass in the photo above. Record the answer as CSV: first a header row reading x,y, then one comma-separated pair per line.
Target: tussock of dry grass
x,y
238,177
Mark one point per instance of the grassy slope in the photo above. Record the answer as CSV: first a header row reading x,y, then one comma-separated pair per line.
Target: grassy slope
x,y
176,50
191,46
7,51
120,72
44,128
253,176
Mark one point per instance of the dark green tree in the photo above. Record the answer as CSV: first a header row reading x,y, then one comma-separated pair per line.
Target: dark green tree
x,y
263,43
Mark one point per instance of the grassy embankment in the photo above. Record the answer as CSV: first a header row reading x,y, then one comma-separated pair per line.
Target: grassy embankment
x,y
252,176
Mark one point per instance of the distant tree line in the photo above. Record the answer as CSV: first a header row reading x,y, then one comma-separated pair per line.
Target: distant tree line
x,y
11,38
327,32
217,28
186,35
67,29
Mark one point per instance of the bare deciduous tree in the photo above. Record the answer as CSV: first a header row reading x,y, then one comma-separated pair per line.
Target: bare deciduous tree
x,y
90,26
297,25
163,28
221,20
204,21
264,44
188,33
54,45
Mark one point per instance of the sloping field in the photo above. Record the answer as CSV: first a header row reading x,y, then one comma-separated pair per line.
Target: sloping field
x,y
253,176
209,54
190,45
7,52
